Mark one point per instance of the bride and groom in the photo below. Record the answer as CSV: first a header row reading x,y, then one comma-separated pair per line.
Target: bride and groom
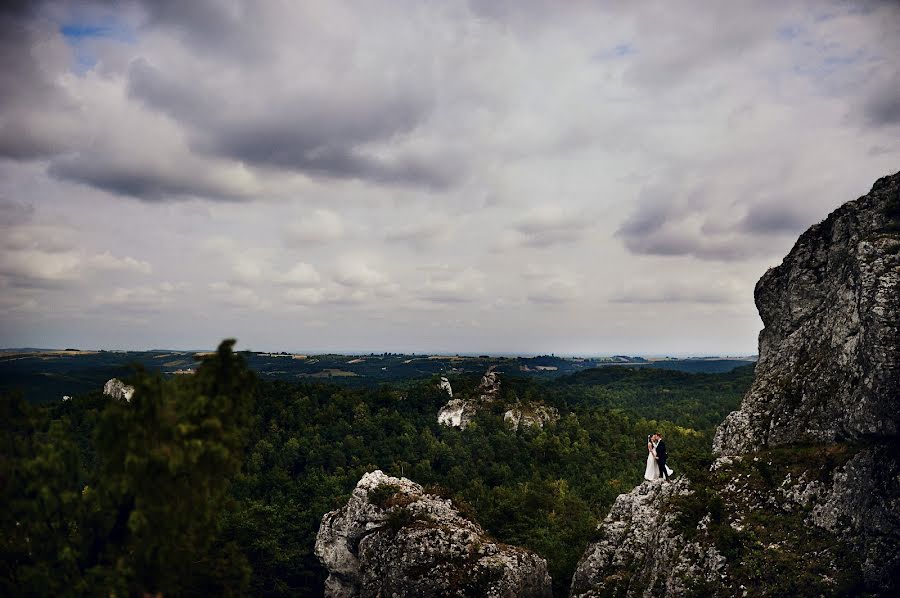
x,y
656,459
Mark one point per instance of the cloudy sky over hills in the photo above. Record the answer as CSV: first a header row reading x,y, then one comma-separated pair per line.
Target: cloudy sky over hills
x,y
579,177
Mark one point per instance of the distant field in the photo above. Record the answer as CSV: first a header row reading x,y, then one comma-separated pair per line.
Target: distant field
x,y
330,373
44,376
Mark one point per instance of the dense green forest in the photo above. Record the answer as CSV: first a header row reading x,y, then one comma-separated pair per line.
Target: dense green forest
x,y
216,483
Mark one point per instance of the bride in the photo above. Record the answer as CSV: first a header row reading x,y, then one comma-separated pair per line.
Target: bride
x,y
652,471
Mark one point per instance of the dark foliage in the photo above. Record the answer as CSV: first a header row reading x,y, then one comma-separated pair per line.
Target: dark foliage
x,y
195,488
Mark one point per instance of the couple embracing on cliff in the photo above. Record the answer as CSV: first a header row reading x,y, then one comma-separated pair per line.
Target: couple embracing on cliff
x,y
656,458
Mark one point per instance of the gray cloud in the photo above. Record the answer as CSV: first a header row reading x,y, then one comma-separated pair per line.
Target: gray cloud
x,y
446,284
775,218
554,291
139,179
30,95
239,30
683,219
667,292
324,128
882,106
325,153
655,205
13,213
549,225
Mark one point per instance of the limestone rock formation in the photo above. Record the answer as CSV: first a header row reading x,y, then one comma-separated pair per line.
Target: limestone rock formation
x,y
489,388
459,412
530,414
860,502
394,539
806,495
829,355
456,413
117,389
640,548
444,385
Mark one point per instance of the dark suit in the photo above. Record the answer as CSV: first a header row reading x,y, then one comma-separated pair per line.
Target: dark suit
x,y
661,458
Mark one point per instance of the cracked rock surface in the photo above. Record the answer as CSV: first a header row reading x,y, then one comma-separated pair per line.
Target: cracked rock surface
x,y
640,549
829,355
394,539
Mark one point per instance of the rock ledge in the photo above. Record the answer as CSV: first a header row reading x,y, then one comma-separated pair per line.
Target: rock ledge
x,y
394,539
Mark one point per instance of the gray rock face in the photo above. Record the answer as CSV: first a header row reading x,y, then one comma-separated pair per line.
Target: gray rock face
x,y
861,503
444,385
393,539
489,388
530,414
117,389
829,355
639,549
456,413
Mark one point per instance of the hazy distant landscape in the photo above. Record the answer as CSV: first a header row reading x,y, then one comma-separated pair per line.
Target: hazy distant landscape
x,y
48,375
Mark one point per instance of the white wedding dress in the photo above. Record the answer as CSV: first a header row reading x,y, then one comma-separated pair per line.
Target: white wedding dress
x,y
652,471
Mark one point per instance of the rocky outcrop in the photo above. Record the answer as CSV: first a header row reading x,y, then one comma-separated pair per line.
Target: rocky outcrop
x,y
805,497
530,415
458,413
859,502
770,523
640,549
489,388
829,355
392,538
117,389
444,385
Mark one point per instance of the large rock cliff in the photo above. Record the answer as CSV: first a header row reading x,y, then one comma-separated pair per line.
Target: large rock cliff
x,y
829,355
805,496
394,539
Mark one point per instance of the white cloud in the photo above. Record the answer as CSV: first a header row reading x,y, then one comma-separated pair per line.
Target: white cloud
x,y
141,297
353,271
247,269
301,274
42,255
545,226
235,295
424,233
107,261
554,290
316,226
444,284
305,296
37,266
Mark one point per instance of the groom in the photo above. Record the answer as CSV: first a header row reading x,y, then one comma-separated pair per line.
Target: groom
x,y
661,456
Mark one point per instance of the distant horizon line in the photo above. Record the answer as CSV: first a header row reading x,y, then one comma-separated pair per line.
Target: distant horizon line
x,y
359,353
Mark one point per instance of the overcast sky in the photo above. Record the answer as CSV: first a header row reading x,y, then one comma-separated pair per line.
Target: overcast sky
x,y
481,176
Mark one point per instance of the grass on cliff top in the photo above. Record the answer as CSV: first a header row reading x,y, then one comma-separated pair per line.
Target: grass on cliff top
x,y
770,547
